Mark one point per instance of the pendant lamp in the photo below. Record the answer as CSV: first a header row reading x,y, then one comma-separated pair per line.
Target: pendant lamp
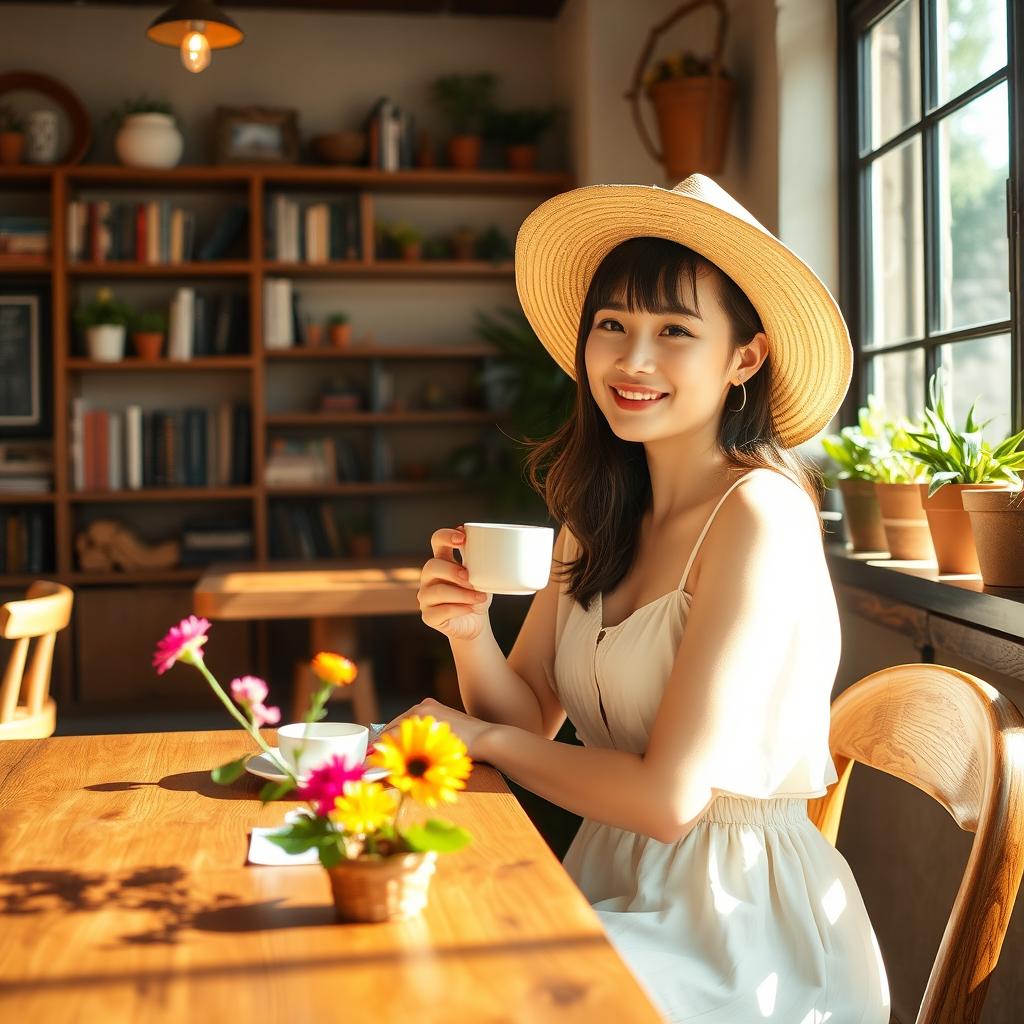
x,y
195,27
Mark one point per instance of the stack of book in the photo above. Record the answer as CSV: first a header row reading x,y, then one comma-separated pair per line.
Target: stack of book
x,y
148,232
204,541
133,448
207,325
25,467
24,239
391,135
323,460
315,231
26,541
282,313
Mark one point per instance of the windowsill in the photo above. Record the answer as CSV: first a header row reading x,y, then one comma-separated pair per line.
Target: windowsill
x,y
919,584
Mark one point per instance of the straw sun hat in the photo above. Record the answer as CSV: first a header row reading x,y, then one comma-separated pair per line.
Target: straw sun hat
x,y
562,242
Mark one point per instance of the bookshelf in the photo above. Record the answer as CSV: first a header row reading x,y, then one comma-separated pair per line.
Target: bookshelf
x,y
245,377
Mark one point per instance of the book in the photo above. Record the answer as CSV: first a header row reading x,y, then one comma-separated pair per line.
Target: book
x,y
226,233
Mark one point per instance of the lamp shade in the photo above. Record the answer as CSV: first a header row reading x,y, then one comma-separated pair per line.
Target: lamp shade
x,y
171,27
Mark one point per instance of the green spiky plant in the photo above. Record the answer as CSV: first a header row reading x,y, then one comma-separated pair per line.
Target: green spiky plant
x,y
953,456
853,449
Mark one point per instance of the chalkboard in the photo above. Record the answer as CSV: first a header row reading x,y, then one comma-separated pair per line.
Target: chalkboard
x,y
20,387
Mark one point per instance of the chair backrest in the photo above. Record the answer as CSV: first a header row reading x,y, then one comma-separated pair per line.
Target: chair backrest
x,y
44,611
960,741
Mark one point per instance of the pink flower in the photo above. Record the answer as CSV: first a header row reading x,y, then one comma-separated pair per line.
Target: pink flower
x,y
249,690
262,715
182,643
328,782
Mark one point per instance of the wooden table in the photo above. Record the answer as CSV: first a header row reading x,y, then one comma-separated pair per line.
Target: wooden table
x,y
124,896
331,597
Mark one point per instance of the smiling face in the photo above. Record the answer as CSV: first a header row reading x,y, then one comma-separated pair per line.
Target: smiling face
x,y
662,364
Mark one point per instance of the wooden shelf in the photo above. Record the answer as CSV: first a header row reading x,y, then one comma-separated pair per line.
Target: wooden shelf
x,y
355,352
27,498
200,364
368,488
23,267
163,494
391,268
413,416
186,575
130,268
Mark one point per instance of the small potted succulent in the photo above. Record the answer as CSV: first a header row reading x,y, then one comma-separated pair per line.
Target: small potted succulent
x,y
12,136
463,241
147,133
518,131
492,245
899,495
464,100
312,333
148,330
409,241
339,329
104,322
852,452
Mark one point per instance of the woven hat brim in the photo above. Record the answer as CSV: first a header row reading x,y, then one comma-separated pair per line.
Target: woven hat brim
x,y
562,242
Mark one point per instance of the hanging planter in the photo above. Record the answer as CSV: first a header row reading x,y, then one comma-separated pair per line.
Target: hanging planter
x,y
693,101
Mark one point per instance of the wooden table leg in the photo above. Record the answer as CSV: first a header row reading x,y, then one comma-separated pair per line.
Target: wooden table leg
x,y
337,635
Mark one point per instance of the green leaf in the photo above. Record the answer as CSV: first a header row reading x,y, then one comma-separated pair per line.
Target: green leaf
x,y
227,773
329,855
291,843
442,836
276,790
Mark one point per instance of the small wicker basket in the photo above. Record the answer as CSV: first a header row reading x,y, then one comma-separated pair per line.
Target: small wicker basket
x,y
388,889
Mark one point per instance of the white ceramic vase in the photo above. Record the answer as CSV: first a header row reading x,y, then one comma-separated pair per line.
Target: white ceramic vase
x,y
106,342
149,140
42,137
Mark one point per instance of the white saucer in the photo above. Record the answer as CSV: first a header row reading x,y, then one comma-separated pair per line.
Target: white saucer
x,y
262,767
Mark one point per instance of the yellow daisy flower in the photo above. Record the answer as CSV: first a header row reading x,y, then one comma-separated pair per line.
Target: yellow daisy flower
x,y
364,808
427,760
334,669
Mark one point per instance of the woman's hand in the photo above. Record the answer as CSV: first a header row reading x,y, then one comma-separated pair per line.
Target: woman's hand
x,y
466,727
447,602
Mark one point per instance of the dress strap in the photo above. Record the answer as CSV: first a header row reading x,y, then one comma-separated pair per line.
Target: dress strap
x,y
710,520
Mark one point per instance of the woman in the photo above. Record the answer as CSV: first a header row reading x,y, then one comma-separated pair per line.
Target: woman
x,y
693,638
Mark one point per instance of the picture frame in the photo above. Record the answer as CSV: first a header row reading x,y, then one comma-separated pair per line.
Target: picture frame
x,y
257,135
25,361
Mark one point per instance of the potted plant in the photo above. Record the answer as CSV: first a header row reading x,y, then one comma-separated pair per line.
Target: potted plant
x,y
147,133
899,496
997,525
958,461
464,100
436,249
463,241
312,333
339,329
148,330
517,131
409,241
693,100
851,450
492,245
104,321
360,538
12,136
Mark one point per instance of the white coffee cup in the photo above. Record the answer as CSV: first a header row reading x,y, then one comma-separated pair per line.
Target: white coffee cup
x,y
507,558
319,742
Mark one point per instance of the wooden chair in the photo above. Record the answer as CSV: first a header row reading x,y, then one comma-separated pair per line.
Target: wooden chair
x,y
45,610
961,742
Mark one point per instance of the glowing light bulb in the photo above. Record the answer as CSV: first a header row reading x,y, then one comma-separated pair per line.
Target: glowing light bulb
x,y
195,49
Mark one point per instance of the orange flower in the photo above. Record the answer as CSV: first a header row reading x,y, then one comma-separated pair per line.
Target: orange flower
x,y
334,669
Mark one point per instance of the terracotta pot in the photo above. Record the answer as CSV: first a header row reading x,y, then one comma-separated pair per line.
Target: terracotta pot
x,y
341,335
12,145
391,888
997,522
521,157
863,516
313,336
683,107
412,251
360,545
464,247
906,526
464,152
950,526
148,344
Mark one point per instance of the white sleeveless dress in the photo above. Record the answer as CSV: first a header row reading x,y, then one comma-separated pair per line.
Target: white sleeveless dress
x,y
754,915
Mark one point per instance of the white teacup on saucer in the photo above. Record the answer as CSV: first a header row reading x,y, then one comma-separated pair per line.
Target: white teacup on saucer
x,y
307,747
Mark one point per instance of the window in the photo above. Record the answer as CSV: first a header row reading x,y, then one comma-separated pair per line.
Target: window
x,y
930,234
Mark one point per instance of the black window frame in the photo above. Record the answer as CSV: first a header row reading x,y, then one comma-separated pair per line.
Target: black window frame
x,y
854,19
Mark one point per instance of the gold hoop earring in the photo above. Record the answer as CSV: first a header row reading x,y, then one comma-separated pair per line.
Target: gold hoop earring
x,y
744,402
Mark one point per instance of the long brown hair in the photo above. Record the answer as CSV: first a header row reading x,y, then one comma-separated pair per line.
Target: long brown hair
x,y
597,484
